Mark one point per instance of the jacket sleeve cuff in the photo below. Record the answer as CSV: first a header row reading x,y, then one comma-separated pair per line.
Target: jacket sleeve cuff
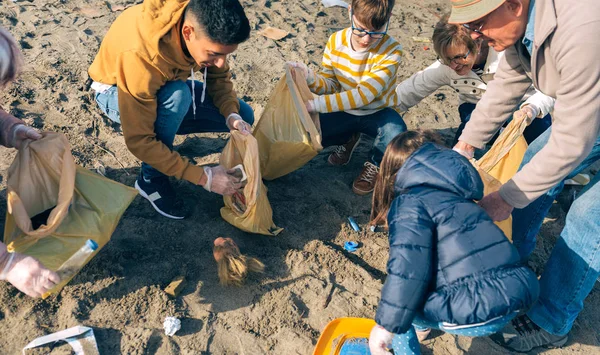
x,y
193,174
512,195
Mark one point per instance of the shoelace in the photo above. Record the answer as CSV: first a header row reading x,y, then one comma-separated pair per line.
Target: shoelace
x,y
370,173
524,325
340,150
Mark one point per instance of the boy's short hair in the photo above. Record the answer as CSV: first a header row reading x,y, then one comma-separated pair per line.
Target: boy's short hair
x,y
373,13
223,21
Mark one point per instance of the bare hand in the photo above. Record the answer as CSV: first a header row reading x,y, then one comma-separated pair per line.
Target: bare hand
x,y
20,133
30,276
496,207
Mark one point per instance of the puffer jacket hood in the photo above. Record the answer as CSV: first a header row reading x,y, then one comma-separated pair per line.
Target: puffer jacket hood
x,y
448,261
437,168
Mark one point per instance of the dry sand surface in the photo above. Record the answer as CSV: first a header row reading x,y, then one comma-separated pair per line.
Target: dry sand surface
x,y
309,278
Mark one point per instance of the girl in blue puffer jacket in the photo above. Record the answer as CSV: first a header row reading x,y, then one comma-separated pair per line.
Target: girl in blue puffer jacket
x,y
450,267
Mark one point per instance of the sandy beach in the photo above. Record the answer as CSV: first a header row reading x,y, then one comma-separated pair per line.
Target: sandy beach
x,y
309,278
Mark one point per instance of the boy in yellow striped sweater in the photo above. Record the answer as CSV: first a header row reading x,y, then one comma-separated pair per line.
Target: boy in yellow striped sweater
x,y
356,88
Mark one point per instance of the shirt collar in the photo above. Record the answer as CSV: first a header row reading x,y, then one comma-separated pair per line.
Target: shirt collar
x,y
529,30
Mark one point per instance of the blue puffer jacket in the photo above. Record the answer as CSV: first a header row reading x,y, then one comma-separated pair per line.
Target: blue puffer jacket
x,y
448,261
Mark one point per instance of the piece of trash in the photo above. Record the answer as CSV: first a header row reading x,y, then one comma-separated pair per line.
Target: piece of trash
x,y
171,325
81,339
425,48
354,224
372,228
273,33
240,173
351,246
100,169
579,180
175,286
422,39
332,3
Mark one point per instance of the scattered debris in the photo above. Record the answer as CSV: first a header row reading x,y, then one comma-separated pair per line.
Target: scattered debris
x,y
171,325
175,286
332,3
81,339
273,33
351,246
354,224
422,39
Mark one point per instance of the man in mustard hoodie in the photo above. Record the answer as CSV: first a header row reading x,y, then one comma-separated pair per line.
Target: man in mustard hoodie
x,y
140,77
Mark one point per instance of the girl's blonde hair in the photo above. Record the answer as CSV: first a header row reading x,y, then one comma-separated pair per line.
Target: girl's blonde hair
x,y
396,153
233,267
11,59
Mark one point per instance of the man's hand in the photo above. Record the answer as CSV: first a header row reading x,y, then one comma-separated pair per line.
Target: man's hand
x,y
20,133
530,111
380,340
221,181
464,149
28,275
235,122
496,207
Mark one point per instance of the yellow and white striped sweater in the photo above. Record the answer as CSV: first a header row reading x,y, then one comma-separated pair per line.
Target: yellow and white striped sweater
x,y
359,83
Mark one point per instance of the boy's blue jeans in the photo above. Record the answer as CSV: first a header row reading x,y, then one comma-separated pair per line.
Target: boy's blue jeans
x,y
534,130
338,127
574,265
408,344
175,114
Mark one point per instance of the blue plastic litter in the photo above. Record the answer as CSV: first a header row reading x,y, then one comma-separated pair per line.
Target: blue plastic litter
x,y
355,346
354,224
351,246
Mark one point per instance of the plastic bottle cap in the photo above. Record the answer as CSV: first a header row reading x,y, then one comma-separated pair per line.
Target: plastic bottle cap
x,y
91,244
351,246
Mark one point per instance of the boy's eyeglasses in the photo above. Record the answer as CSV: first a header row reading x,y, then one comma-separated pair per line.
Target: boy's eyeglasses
x,y
359,32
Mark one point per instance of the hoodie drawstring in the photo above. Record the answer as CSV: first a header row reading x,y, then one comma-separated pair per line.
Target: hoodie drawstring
x,y
194,89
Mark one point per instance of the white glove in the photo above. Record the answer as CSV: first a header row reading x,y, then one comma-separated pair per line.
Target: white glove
x,y
20,132
380,340
221,181
464,153
310,106
27,274
235,121
308,73
530,111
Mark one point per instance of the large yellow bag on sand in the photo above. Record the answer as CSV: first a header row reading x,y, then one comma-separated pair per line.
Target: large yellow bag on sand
x,y
249,211
82,205
288,136
502,162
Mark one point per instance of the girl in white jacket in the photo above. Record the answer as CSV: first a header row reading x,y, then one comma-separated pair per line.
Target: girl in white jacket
x,y
467,66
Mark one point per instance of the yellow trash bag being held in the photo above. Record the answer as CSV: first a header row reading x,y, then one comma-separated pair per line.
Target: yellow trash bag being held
x,y
287,135
502,162
54,206
248,209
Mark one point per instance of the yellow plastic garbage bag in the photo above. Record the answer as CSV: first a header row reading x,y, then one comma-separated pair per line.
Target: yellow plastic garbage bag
x,y
502,162
288,136
82,205
249,210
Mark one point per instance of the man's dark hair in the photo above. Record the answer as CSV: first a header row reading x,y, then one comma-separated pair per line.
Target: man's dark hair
x,y
223,21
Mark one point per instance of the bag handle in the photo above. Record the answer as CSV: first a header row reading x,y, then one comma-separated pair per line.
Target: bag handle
x,y
505,142
43,153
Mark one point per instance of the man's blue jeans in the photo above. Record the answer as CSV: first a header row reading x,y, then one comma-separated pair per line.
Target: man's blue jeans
x,y
338,127
574,265
175,114
408,344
